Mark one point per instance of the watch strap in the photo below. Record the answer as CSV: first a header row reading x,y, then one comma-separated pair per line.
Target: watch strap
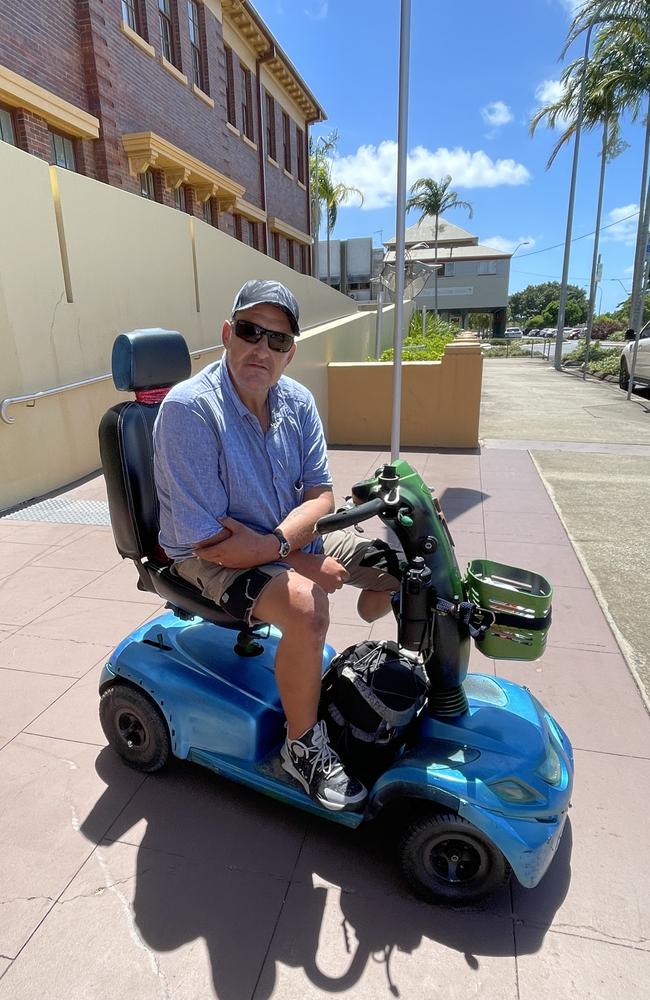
x,y
285,547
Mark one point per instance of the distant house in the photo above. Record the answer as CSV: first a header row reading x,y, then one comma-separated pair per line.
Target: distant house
x,y
472,278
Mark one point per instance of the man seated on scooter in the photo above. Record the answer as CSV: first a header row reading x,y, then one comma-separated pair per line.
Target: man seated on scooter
x,y
242,477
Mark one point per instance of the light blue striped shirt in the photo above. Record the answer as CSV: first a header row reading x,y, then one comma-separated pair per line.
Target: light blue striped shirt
x,y
211,458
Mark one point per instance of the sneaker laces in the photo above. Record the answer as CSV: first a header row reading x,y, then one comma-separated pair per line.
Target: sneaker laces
x,y
321,753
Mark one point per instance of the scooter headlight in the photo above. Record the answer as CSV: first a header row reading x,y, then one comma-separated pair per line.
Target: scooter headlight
x,y
551,767
511,790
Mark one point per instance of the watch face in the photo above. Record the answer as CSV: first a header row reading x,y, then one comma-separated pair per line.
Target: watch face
x,y
285,549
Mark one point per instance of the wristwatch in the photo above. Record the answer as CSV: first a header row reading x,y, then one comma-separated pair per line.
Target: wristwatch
x,y
285,547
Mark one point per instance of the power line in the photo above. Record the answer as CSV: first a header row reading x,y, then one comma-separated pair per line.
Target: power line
x,y
532,253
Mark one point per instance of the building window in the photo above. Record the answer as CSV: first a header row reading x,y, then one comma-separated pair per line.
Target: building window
x,y
449,270
207,211
300,150
147,188
246,102
270,127
230,87
276,246
304,253
62,151
166,30
179,198
487,267
198,76
286,134
7,127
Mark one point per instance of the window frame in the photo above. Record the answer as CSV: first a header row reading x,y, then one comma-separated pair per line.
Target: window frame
x,y
271,146
148,186
286,141
67,145
247,102
231,104
195,35
300,153
10,118
166,24
180,198
490,267
449,270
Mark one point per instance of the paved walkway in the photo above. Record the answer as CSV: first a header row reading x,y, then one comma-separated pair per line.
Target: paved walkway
x,y
185,886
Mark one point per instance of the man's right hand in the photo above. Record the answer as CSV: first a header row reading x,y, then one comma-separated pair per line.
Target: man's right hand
x,y
326,571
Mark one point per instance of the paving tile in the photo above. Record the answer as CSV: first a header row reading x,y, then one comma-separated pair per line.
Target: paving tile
x,y
87,620
332,941
92,489
95,551
191,812
13,555
23,696
571,968
174,928
558,563
536,501
340,636
598,886
579,621
32,591
461,519
516,524
49,656
40,532
75,715
55,797
4,965
592,695
120,583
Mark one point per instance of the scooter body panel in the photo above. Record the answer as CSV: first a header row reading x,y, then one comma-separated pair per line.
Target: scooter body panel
x,y
223,712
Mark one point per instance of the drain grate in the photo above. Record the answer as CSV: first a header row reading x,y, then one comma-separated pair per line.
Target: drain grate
x,y
63,511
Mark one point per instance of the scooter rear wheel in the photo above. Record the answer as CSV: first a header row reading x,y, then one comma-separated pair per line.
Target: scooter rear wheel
x,y
134,727
447,860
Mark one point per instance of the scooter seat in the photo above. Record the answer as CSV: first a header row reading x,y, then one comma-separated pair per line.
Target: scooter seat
x,y
185,597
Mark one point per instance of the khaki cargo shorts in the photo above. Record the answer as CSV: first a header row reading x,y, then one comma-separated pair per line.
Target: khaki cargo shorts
x,y
372,565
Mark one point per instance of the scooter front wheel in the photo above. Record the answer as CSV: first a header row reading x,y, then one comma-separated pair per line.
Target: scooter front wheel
x,y
447,860
134,727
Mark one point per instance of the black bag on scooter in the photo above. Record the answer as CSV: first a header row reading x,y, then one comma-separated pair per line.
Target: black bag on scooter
x,y
371,696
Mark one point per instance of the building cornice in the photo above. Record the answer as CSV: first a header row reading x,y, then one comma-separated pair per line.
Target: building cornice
x,y
244,20
279,226
146,149
19,92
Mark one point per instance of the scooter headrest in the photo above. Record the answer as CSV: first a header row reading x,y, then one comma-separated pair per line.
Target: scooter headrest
x,y
143,359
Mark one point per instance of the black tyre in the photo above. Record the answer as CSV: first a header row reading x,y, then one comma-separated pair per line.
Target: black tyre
x,y
623,376
447,860
134,727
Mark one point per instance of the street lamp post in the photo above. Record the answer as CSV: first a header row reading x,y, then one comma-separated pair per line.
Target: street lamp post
x,y
569,221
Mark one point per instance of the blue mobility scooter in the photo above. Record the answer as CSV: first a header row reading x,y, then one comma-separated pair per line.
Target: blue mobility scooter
x,y
483,781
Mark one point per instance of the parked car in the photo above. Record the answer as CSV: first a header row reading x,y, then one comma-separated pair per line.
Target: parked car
x,y
513,331
642,369
535,332
548,331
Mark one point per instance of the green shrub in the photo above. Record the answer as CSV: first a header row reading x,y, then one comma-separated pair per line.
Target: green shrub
x,y
429,347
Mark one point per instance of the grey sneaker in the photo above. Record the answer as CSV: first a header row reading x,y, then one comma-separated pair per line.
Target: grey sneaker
x,y
312,761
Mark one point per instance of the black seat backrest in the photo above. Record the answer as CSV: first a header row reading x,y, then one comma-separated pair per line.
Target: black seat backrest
x,y
143,360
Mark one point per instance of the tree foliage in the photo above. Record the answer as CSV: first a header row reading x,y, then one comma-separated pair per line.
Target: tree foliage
x,y
534,300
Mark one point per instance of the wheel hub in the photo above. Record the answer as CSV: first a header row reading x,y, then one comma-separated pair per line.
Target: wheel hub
x,y
456,860
132,730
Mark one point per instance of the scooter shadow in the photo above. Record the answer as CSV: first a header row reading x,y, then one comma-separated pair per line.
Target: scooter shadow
x,y
267,887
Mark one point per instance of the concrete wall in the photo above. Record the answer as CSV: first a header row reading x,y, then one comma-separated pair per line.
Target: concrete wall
x,y
112,262
440,401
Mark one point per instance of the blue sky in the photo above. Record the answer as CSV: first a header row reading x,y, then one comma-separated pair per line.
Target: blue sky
x,y
477,73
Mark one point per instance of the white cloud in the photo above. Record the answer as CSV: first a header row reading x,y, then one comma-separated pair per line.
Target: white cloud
x,y
496,113
549,91
505,244
373,169
318,11
625,231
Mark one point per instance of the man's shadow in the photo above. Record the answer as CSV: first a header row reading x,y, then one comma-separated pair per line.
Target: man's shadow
x,y
254,879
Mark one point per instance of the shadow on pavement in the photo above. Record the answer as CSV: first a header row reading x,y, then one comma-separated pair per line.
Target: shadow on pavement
x,y
255,921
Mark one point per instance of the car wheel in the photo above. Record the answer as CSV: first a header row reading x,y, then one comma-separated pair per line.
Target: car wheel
x,y
134,727
447,860
623,376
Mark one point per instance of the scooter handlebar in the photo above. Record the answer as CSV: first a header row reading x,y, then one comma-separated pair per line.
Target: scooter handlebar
x,y
352,515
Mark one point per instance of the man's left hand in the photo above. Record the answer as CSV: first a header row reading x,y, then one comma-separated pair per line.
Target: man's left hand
x,y
241,549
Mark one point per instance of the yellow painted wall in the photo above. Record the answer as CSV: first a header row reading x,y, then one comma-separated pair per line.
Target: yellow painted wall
x,y
130,266
440,401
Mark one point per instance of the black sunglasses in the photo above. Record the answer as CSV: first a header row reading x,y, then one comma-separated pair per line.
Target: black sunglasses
x,y
252,334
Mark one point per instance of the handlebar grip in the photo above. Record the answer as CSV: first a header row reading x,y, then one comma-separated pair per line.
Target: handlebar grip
x,y
353,515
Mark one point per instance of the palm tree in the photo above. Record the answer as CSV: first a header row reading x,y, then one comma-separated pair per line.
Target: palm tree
x,y
325,192
433,198
628,27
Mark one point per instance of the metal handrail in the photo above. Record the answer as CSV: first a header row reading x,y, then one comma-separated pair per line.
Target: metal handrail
x,y
33,396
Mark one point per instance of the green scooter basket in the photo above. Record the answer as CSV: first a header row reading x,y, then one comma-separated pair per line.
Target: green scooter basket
x,y
521,603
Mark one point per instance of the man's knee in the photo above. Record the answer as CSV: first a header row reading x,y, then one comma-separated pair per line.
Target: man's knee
x,y
296,605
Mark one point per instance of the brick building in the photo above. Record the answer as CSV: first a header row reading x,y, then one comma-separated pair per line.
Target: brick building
x,y
193,104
